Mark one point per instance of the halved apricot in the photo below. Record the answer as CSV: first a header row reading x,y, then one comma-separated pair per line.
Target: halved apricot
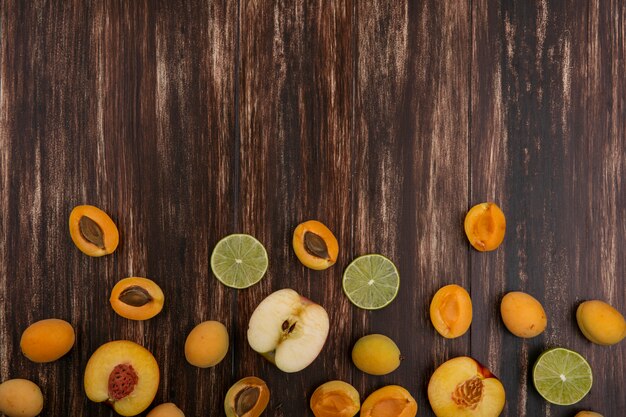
x,y
315,245
389,401
137,298
248,397
451,311
93,231
485,226
335,399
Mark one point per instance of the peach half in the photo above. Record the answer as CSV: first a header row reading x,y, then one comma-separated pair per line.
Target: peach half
x,y
389,401
123,374
462,387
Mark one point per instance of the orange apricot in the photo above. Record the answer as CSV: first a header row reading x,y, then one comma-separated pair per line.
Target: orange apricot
x,y
335,399
47,340
248,397
451,311
389,401
137,298
315,245
485,226
93,231
207,344
166,410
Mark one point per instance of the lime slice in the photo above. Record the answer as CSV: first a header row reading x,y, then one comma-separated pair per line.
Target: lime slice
x,y
562,376
371,281
239,261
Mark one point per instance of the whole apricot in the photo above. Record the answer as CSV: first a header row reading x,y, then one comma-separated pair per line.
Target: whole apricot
x,y
47,340
20,398
587,414
166,410
207,344
600,322
93,231
376,354
451,311
389,401
248,397
523,315
315,245
335,399
485,226
137,298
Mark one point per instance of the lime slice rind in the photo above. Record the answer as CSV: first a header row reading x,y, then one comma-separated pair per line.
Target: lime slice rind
x,y
371,282
562,376
239,261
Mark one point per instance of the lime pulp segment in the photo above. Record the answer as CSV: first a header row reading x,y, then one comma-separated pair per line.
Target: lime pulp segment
x,y
239,261
371,281
562,376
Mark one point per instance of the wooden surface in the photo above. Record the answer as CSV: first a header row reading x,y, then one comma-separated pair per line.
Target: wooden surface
x,y
387,120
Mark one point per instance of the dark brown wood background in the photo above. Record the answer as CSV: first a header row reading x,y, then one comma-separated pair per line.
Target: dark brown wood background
x,y
387,120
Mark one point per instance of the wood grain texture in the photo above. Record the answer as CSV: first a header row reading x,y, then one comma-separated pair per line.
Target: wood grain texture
x,y
188,121
410,147
548,144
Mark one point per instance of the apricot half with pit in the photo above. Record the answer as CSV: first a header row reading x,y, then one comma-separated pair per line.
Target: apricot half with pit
x,y
462,387
123,374
207,344
47,340
93,231
376,354
389,401
522,314
600,322
335,399
315,245
248,397
485,226
166,410
451,311
137,298
20,398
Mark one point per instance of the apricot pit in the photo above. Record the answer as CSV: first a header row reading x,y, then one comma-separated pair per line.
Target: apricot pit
x,y
335,399
485,226
389,401
315,245
93,231
451,311
248,397
137,298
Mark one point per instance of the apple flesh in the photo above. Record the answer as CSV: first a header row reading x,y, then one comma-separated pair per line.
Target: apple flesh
x,y
289,330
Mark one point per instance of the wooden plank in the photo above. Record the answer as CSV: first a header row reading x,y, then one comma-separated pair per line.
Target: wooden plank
x,y
128,106
548,145
295,109
411,186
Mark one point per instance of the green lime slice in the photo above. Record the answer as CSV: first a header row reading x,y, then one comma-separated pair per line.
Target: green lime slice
x,y
239,261
371,281
562,376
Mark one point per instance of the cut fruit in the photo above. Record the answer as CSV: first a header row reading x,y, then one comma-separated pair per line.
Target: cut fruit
x,y
288,330
371,282
562,376
389,401
239,261
123,374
